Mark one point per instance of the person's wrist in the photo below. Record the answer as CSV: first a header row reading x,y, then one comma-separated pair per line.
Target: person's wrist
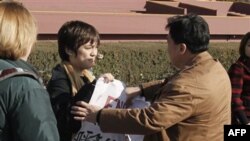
x,y
142,91
98,116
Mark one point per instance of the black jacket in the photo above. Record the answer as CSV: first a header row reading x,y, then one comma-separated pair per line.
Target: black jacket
x,y
59,88
25,109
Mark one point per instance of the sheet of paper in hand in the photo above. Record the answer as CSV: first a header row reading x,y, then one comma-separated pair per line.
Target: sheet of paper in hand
x,y
108,95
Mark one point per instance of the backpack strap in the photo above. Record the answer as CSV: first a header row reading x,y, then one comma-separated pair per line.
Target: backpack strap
x,y
11,72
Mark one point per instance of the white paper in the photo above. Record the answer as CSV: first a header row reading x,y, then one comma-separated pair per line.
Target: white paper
x,y
108,95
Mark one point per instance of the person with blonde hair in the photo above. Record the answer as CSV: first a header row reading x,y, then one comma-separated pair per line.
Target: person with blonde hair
x,y
25,109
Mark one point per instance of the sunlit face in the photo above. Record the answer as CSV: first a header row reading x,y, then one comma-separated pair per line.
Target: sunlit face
x,y
247,48
85,57
173,51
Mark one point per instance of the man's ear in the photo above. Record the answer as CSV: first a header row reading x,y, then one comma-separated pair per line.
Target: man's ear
x,y
69,52
182,48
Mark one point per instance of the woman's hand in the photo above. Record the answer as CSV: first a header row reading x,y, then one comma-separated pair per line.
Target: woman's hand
x,y
108,77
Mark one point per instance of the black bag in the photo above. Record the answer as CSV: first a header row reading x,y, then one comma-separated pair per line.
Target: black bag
x,y
84,94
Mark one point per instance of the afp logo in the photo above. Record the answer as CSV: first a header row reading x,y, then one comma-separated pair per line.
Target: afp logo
x,y
239,132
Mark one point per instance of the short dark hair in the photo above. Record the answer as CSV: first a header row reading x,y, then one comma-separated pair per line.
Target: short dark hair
x,y
190,29
74,34
243,43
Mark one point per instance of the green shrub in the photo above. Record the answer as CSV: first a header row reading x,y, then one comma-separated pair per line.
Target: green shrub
x,y
131,62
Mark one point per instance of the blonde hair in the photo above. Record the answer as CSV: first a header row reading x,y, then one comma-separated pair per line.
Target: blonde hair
x,y
18,30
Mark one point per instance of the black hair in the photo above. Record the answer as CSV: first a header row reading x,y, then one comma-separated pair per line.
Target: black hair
x,y
243,43
191,30
74,34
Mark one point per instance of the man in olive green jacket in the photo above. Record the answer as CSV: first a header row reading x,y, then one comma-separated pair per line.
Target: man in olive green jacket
x,y
192,105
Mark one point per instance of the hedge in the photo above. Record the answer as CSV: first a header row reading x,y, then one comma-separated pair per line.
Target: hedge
x,y
131,62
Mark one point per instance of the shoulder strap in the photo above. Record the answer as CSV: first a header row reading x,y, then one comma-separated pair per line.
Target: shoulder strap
x,y
11,72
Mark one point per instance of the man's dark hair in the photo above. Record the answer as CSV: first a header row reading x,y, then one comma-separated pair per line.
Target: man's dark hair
x,y
74,34
191,30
